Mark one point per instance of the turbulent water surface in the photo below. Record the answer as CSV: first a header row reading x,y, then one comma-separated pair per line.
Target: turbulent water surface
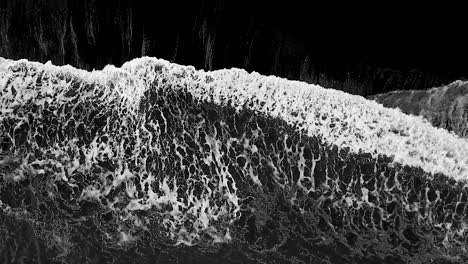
x,y
157,162
445,106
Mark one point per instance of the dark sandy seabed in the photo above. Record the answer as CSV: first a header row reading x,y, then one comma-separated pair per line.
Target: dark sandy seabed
x,y
90,175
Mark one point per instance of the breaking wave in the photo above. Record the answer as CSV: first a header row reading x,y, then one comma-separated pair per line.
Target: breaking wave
x,y
155,150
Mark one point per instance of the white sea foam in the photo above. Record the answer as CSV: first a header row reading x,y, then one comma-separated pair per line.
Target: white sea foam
x,y
341,119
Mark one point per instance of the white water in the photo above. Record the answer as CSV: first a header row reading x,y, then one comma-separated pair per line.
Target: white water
x,y
341,119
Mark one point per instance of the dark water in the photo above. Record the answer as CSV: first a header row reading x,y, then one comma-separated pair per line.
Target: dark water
x,y
109,168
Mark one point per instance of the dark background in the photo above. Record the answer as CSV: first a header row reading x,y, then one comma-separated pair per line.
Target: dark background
x,y
360,49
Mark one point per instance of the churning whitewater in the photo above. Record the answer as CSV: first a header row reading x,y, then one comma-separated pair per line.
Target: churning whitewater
x,y
191,157
341,119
